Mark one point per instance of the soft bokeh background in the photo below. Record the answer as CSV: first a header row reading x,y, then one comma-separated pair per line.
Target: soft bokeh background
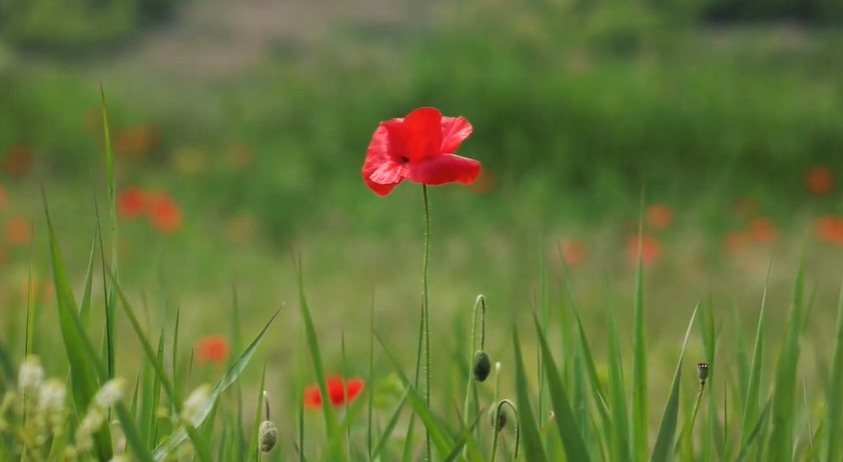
x,y
240,127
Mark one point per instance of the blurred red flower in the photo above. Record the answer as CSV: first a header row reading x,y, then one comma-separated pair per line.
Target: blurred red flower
x,y
212,349
419,148
132,202
336,392
736,241
651,249
165,214
573,253
17,231
659,216
819,181
830,229
18,160
762,230
136,140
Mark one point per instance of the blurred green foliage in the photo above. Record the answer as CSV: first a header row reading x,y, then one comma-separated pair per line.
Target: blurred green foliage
x,y
78,26
582,103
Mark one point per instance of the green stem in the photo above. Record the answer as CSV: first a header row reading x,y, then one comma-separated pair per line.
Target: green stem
x,y
497,412
694,418
426,314
479,305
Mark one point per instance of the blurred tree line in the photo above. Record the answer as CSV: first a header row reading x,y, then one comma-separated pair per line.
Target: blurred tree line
x,y
77,26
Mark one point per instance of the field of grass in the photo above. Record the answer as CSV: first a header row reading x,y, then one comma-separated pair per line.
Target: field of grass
x,y
654,195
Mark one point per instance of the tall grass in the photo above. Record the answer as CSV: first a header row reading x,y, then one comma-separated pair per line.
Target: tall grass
x,y
571,404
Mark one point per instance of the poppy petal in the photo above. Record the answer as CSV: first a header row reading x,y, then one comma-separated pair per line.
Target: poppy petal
x,y
381,169
454,131
447,168
354,387
312,397
422,133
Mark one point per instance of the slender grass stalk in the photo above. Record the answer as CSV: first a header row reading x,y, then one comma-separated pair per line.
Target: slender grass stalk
x,y
479,307
425,338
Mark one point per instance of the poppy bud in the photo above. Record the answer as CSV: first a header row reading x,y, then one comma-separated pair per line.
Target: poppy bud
x,y
482,366
702,372
501,418
267,436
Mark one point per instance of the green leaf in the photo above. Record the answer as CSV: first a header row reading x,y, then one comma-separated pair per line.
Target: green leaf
x,y
111,301
666,439
640,424
531,439
566,424
177,437
834,397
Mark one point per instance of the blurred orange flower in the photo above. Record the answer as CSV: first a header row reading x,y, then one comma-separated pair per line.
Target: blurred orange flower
x,y
18,160
650,249
17,231
132,202
485,183
43,293
736,241
212,349
747,208
137,140
166,214
762,230
659,216
573,253
2,196
819,181
239,155
830,229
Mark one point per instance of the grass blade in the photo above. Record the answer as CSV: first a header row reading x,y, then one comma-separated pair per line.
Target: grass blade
x,y
531,438
640,424
666,438
834,397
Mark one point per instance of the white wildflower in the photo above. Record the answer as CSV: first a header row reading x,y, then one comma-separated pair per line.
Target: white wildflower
x,y
197,400
109,394
31,374
89,425
51,399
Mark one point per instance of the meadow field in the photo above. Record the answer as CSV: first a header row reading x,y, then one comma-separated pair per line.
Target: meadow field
x,y
192,265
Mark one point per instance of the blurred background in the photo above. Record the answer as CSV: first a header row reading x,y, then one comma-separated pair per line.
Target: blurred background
x,y
240,127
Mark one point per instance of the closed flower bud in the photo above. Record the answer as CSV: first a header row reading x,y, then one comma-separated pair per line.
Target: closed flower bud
x,y
482,366
702,371
267,436
501,418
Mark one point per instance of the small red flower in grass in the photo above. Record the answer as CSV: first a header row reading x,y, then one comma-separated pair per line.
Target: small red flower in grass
x,y
212,349
573,252
419,148
132,202
762,230
336,392
17,231
651,249
166,214
819,181
659,216
830,229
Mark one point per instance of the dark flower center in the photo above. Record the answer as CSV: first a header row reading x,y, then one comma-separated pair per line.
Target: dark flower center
x,y
404,159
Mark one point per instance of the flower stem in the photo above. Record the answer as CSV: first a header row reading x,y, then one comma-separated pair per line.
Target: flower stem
x,y
479,305
426,313
694,416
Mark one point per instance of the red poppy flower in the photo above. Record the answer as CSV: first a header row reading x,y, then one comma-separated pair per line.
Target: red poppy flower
x,y
132,202
650,249
736,241
573,252
166,214
762,230
419,148
212,349
336,392
18,160
819,181
659,216
830,229
17,231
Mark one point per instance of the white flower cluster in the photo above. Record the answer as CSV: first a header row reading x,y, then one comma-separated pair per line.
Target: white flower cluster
x,y
198,400
108,395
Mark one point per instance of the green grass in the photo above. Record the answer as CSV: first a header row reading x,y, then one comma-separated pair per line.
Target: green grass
x,y
612,379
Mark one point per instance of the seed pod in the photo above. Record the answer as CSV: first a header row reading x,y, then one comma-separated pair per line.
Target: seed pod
x,y
501,418
482,366
702,371
267,436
